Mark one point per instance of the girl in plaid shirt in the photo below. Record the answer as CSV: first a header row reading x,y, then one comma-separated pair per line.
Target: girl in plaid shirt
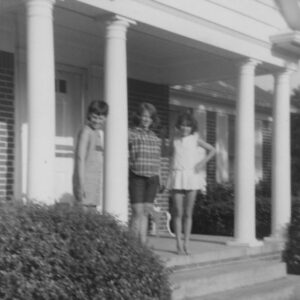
x,y
144,167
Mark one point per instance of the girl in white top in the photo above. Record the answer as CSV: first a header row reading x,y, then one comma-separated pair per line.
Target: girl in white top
x,y
189,157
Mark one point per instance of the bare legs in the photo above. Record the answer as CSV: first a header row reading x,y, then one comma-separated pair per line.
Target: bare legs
x,y
183,211
189,206
178,213
139,220
142,193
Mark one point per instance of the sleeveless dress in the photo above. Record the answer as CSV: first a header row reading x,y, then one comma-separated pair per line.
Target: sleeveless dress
x,y
187,153
93,166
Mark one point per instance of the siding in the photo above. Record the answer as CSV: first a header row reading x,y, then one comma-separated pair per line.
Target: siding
x,y
156,94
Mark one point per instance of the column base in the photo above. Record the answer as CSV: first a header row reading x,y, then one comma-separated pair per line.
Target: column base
x,y
275,239
251,243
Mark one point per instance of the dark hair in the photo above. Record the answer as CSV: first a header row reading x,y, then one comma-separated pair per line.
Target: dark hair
x,y
97,107
152,111
187,119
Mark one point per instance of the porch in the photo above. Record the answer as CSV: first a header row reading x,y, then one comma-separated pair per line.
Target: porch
x,y
106,42
216,271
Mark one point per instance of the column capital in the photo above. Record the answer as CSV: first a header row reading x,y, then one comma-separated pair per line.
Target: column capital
x,y
248,62
283,75
117,19
51,2
116,25
39,7
111,19
285,72
247,65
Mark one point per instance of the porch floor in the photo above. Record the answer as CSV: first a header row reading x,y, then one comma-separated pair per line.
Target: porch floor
x,y
207,249
165,245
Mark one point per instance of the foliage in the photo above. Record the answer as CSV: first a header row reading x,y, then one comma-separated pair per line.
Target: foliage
x,y
214,215
292,249
214,211
60,252
295,150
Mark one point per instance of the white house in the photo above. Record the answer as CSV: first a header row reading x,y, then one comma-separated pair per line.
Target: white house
x,y
57,55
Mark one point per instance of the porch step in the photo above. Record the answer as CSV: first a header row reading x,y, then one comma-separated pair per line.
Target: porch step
x,y
225,255
287,288
217,278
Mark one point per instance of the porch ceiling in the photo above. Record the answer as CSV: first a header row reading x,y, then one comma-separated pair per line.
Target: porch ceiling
x,y
153,55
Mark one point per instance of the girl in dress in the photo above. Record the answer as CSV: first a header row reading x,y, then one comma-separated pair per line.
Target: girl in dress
x,y
144,168
189,157
88,171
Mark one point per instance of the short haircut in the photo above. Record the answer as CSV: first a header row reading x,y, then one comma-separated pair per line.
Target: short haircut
x,y
99,108
187,119
145,106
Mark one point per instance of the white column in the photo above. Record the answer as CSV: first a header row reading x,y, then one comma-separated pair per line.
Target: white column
x,y
116,142
41,100
244,215
281,156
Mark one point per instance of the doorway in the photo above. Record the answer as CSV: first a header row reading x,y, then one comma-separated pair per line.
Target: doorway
x,y
69,119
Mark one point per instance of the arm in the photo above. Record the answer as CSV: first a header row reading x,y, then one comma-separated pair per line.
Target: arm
x,y
160,182
81,153
130,135
211,152
171,161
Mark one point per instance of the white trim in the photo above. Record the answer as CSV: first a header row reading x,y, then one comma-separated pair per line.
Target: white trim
x,y
195,31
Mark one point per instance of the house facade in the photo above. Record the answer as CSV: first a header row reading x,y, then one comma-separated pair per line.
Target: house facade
x,y
56,56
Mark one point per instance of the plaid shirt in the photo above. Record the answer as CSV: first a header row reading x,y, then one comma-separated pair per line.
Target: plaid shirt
x,y
144,152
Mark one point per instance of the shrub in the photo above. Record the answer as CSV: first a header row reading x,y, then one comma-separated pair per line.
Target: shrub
x,y
263,216
292,250
60,252
214,211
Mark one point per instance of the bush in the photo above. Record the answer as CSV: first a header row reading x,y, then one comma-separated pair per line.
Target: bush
x,y
64,253
214,211
263,216
292,250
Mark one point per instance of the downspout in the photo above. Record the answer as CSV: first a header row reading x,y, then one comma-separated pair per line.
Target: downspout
x,y
290,10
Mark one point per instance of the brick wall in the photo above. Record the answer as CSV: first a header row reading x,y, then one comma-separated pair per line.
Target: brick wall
x,y
211,123
6,125
156,94
267,152
231,146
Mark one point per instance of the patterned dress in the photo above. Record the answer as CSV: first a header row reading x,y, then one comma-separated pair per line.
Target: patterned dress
x,y
89,165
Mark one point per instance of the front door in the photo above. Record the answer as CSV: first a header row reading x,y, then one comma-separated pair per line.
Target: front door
x,y
69,118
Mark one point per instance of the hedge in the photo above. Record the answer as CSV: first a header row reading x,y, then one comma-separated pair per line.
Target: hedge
x,y
214,211
62,253
214,215
291,254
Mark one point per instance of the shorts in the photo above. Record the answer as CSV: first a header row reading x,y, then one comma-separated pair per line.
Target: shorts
x,y
142,189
